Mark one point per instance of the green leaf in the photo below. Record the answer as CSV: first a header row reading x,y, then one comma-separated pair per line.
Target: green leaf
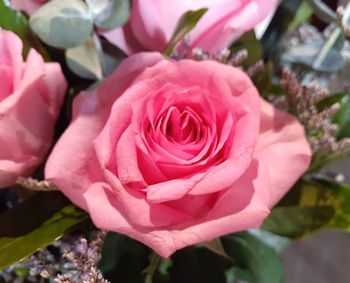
x,y
13,20
251,254
303,13
16,22
114,247
249,42
216,247
311,205
330,100
186,23
198,265
63,23
33,224
109,14
342,117
295,221
274,241
90,61
84,60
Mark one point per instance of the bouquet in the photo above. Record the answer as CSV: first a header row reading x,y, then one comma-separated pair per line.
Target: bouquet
x,y
169,141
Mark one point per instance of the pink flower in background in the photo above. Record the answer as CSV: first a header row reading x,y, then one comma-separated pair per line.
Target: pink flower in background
x,y
28,6
152,23
176,153
31,94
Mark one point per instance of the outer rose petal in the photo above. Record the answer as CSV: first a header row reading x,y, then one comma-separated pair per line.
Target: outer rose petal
x,y
28,116
153,23
124,39
103,208
11,56
28,6
283,149
90,112
222,33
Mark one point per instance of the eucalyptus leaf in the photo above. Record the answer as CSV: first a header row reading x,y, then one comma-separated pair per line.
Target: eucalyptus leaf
x,y
186,23
251,254
63,23
109,14
322,11
306,54
335,41
46,224
84,60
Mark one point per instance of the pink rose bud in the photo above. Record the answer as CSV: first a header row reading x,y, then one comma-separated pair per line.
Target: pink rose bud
x,y
173,153
153,22
31,94
28,6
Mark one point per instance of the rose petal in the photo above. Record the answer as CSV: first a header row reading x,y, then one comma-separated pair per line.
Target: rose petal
x,y
139,211
124,39
90,112
283,148
105,213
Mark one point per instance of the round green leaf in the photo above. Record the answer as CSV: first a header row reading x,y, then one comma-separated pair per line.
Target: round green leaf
x,y
109,14
84,61
63,23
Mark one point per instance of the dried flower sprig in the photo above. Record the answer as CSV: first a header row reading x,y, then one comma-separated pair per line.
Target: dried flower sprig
x,y
341,21
71,259
302,102
84,257
225,56
35,185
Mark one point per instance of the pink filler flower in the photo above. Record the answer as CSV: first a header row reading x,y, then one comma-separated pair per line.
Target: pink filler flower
x,y
176,153
31,94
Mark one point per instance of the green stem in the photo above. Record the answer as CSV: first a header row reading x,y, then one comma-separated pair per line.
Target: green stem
x,y
322,11
326,48
152,268
99,49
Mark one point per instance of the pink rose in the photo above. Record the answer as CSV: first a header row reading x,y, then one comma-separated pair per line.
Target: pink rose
x,y
152,23
31,94
28,6
176,153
